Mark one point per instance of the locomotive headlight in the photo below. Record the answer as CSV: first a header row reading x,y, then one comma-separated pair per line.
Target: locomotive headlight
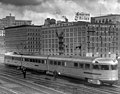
x,y
113,78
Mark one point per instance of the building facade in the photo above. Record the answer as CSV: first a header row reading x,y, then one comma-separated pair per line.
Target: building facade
x,y
9,21
82,39
66,38
102,40
22,39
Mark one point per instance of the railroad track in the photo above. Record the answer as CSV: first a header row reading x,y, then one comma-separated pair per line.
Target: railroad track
x,y
64,86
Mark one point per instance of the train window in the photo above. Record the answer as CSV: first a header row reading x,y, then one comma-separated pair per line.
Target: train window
x,y
81,65
59,63
31,60
63,63
55,62
113,67
25,59
18,58
36,60
7,57
39,61
87,66
12,58
42,61
75,64
104,67
96,67
51,62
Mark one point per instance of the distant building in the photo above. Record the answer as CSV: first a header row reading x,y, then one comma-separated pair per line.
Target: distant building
x,y
11,21
111,19
23,39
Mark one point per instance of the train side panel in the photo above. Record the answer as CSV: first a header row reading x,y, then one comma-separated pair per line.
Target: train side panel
x,y
9,60
35,66
68,69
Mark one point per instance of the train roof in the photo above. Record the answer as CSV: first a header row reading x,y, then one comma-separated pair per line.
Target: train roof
x,y
62,58
73,59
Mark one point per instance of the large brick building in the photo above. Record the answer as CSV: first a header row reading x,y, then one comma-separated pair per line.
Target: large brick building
x,y
22,39
65,38
9,21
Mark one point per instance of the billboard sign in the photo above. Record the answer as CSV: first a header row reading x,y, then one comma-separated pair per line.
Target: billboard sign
x,y
81,16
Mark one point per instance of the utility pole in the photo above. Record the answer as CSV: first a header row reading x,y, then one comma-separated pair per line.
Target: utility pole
x,y
47,62
21,53
21,44
20,50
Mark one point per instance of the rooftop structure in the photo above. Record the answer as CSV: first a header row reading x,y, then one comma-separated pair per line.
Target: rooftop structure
x,y
111,19
11,21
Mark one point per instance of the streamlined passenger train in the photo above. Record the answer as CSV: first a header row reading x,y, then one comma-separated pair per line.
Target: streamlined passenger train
x,y
94,70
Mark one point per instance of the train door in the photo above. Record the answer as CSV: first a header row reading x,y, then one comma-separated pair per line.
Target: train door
x,y
95,74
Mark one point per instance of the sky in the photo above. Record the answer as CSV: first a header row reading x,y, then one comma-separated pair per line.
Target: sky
x,y
39,10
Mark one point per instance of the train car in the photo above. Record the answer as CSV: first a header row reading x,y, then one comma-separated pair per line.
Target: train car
x,y
35,62
94,70
13,60
30,62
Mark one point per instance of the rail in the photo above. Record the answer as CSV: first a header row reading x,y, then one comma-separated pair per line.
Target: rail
x,y
64,86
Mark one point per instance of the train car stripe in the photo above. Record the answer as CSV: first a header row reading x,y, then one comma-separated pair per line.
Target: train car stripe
x,y
92,73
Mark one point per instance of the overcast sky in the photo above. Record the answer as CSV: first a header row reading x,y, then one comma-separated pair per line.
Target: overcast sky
x,y
38,10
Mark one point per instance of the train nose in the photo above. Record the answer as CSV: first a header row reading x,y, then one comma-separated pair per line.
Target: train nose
x,y
114,75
